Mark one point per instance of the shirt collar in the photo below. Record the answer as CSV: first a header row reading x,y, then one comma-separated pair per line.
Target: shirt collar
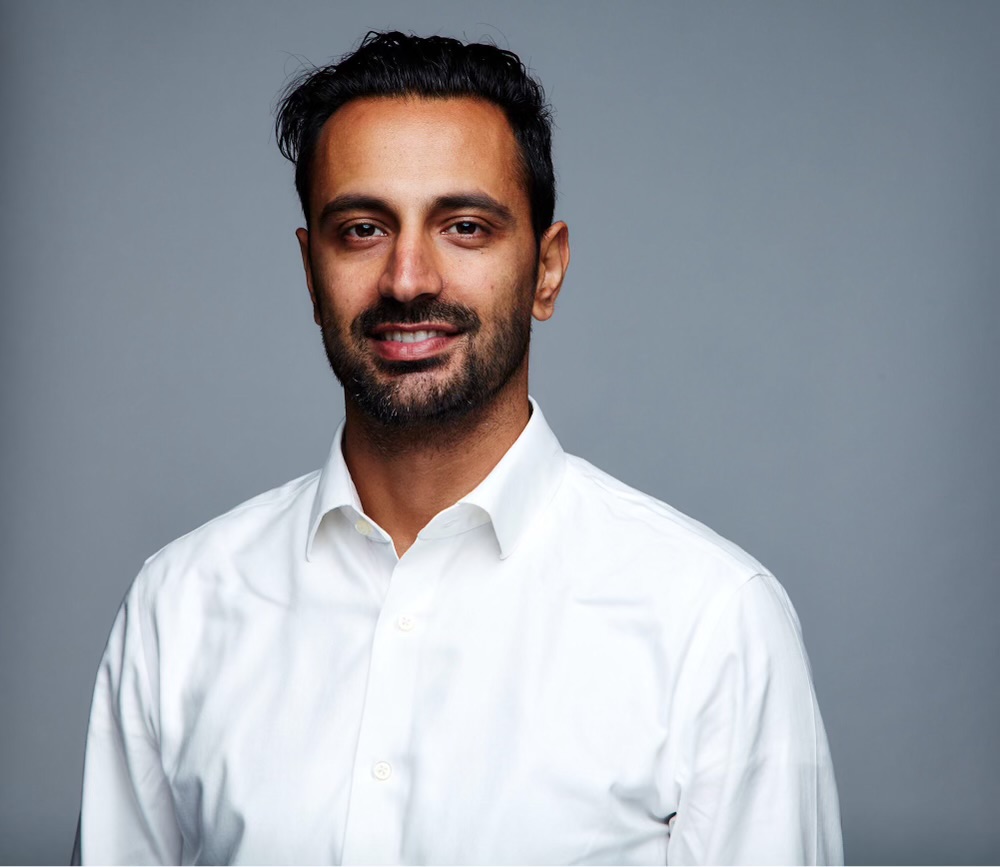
x,y
513,493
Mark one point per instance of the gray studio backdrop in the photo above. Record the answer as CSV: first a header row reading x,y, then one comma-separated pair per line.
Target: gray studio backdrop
x,y
781,317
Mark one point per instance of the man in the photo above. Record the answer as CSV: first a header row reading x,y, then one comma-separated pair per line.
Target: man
x,y
455,643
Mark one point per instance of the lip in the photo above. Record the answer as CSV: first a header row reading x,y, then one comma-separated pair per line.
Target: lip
x,y
394,350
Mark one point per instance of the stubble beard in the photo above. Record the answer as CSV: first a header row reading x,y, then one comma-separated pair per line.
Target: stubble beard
x,y
408,395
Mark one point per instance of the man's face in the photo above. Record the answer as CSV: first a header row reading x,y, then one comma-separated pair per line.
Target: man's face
x,y
421,259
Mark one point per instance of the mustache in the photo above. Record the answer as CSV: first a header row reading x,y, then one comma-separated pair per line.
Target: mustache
x,y
389,310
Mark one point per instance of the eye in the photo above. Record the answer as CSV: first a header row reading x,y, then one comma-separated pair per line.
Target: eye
x,y
468,228
363,230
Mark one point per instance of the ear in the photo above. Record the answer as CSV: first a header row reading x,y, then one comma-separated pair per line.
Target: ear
x,y
303,236
553,260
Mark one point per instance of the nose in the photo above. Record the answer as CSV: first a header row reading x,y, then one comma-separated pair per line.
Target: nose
x,y
411,269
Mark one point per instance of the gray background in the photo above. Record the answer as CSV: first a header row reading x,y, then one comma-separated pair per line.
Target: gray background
x,y
781,317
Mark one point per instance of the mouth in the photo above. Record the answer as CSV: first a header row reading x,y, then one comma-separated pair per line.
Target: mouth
x,y
412,342
411,336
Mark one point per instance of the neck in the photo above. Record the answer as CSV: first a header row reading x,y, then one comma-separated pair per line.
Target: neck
x,y
405,476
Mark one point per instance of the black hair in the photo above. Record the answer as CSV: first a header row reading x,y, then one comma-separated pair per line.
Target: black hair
x,y
395,64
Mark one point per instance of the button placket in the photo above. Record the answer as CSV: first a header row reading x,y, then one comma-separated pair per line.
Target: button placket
x,y
381,773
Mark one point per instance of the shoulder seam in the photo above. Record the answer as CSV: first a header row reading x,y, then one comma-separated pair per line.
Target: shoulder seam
x,y
283,492
695,529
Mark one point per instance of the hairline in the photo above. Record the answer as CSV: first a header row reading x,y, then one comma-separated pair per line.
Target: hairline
x,y
522,169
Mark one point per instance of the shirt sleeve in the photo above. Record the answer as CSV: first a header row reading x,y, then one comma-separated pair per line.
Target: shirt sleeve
x,y
754,775
127,814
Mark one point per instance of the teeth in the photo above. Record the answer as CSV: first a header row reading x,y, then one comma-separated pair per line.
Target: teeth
x,y
411,336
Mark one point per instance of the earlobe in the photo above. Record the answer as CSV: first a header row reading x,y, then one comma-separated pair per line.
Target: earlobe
x,y
553,260
303,237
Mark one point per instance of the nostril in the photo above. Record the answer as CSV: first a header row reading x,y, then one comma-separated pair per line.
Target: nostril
x,y
410,279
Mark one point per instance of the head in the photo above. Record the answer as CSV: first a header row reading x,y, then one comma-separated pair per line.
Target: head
x,y
393,64
425,252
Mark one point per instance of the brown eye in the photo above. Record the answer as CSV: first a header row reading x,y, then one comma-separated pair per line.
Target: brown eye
x,y
364,230
465,227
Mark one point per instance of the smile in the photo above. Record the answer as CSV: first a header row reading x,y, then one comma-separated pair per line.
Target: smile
x,y
410,336
399,342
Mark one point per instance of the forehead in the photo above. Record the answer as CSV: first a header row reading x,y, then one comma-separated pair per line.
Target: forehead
x,y
405,147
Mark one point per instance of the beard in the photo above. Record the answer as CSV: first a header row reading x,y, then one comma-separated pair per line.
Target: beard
x,y
405,394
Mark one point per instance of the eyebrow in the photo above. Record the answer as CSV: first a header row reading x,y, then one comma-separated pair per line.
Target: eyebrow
x,y
476,202
352,202
451,202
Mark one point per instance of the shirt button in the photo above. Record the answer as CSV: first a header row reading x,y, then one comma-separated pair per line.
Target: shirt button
x,y
405,623
363,527
381,771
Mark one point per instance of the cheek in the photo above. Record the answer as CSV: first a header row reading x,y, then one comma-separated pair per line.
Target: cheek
x,y
342,289
496,281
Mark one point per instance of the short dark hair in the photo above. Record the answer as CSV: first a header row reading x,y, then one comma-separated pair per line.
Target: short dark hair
x,y
395,64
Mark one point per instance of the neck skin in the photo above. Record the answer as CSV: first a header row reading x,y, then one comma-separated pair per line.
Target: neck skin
x,y
404,477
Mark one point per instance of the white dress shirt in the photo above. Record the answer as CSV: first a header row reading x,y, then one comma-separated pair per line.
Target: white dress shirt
x,y
557,666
